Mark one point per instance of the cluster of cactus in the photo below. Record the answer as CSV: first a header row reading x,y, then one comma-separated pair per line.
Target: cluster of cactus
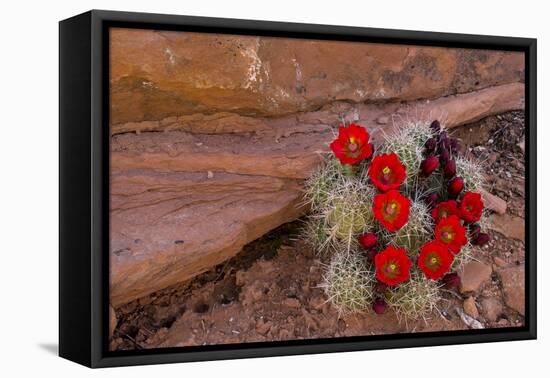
x,y
343,229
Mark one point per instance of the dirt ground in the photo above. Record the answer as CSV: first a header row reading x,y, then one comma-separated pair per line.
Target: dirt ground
x,y
270,291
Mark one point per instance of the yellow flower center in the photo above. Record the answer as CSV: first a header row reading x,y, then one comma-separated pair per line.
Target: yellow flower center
x,y
392,267
433,260
386,170
447,235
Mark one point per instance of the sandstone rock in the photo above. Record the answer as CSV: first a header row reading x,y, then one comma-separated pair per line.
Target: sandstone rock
x,y
263,327
492,202
455,110
293,156
521,145
383,120
473,276
470,307
291,302
159,222
513,285
499,262
492,308
508,225
187,73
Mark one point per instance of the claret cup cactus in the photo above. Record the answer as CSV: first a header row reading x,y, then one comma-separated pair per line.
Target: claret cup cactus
x,y
397,223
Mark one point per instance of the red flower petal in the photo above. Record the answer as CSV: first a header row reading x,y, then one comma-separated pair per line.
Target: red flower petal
x,y
445,209
392,266
352,144
386,172
471,207
451,233
391,209
434,259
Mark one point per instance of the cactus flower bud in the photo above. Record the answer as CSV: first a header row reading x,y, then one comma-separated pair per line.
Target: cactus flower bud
x,y
432,199
451,280
449,169
435,126
455,186
380,287
474,230
443,156
429,165
370,255
481,239
455,146
368,240
430,145
379,306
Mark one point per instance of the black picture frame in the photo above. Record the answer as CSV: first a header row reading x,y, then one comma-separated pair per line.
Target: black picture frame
x,y
84,188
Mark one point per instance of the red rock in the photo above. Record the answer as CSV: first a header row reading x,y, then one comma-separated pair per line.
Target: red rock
x,y
291,302
187,73
492,202
263,327
158,223
513,286
492,308
470,307
499,262
509,226
473,276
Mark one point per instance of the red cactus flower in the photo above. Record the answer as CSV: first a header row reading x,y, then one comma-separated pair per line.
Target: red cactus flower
x,y
445,209
379,306
392,266
451,233
428,165
471,207
455,186
352,144
451,280
434,259
368,240
391,209
386,172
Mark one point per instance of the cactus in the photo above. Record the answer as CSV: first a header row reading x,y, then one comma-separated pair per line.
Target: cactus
x,y
322,182
316,233
341,198
471,172
464,256
348,283
408,143
415,298
416,232
348,210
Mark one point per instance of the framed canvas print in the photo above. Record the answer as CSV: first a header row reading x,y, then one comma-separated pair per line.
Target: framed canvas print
x,y
234,188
